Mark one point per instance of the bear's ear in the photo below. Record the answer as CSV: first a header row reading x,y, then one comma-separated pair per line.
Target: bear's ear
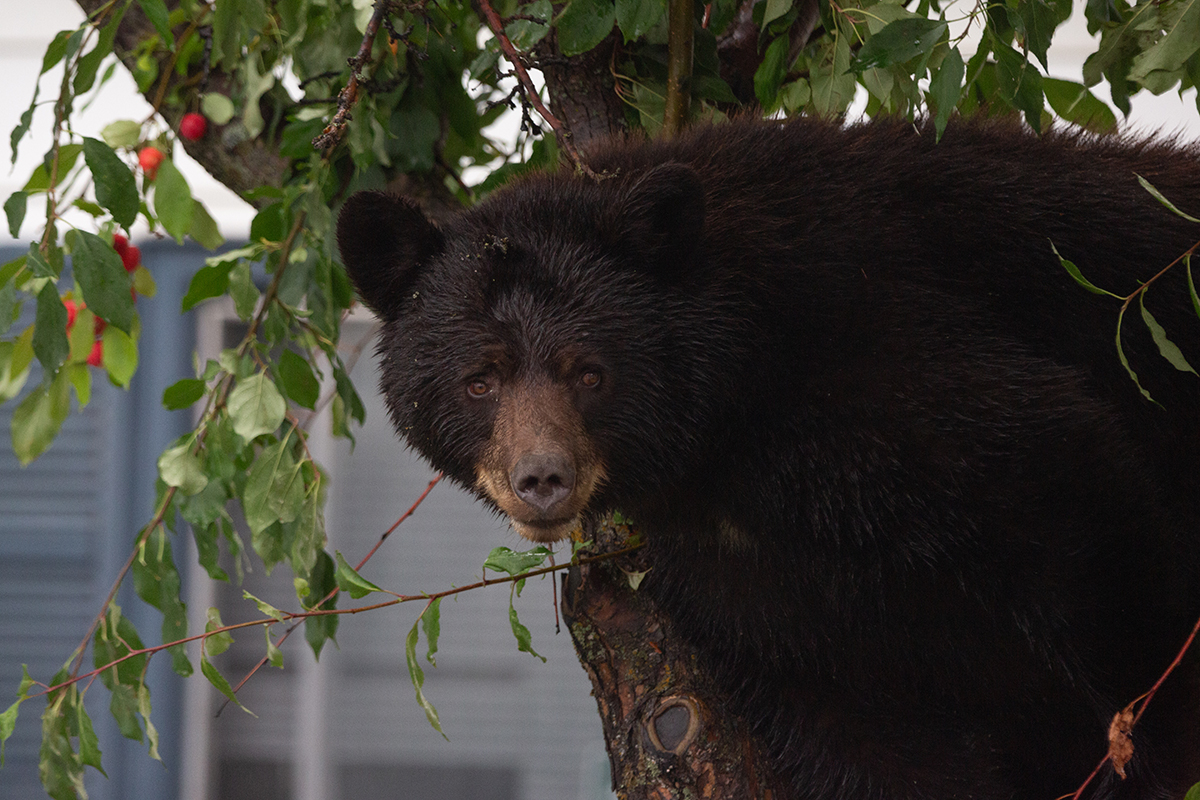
x,y
385,240
661,216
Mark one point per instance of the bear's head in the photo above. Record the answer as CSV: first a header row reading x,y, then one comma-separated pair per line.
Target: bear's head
x,y
552,348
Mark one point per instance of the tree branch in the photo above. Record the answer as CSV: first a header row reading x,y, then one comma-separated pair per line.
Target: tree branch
x,y
681,21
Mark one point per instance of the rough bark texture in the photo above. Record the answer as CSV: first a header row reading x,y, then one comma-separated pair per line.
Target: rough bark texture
x,y
582,88
668,734
239,162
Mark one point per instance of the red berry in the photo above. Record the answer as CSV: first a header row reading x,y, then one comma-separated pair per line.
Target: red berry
x,y
99,326
131,256
193,126
72,310
150,158
96,357
120,243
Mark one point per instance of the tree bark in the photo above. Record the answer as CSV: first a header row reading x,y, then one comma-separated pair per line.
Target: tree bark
x,y
668,732
236,160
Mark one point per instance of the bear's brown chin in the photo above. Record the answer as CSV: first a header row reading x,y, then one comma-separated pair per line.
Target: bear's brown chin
x,y
546,532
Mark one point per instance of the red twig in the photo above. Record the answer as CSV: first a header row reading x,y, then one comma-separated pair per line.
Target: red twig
x,y
496,25
336,129
1145,701
264,660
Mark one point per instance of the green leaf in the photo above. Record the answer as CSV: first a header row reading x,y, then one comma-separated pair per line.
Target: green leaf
x,y
183,393
321,584
217,107
833,86
87,66
1149,187
504,559
299,383
156,580
39,267
771,72
1074,272
120,356
1125,361
418,679
81,381
156,12
50,330
523,637
256,407
274,655
215,643
945,88
173,200
222,685
209,281
89,743
116,188
900,41
774,10
635,17
1187,260
38,418
14,209
243,291
583,24
348,580
103,279
204,228
1193,793
1020,82
122,133
1074,103
1168,349
143,704
1036,22
266,608
524,33
183,468
274,488
8,724
1180,41
431,623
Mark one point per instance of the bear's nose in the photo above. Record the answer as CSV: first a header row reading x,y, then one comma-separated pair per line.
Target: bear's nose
x,y
543,480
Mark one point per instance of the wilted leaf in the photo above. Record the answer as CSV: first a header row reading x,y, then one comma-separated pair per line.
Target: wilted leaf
x,y
418,679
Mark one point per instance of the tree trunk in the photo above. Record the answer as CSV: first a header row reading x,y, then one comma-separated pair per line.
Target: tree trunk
x,y
667,731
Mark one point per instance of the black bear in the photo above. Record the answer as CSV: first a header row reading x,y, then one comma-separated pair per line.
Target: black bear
x,y
898,488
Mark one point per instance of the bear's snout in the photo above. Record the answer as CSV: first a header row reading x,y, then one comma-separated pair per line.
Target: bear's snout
x,y
543,480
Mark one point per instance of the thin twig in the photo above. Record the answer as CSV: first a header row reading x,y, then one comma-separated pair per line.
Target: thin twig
x,y
496,25
336,129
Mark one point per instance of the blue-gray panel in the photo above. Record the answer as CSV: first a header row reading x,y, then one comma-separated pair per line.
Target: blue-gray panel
x,y
67,522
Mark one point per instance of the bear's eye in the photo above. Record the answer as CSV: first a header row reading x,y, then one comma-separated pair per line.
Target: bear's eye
x,y
479,388
590,379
